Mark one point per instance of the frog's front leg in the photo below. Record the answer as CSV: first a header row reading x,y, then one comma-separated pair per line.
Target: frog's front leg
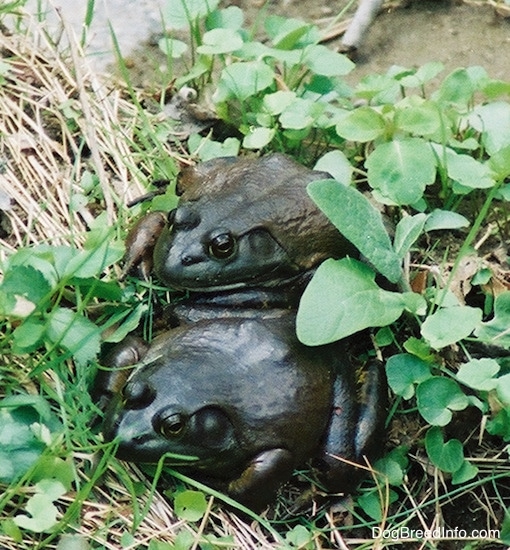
x,y
140,243
117,363
355,430
258,483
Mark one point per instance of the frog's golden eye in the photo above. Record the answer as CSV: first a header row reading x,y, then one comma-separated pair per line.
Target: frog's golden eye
x,y
172,425
222,246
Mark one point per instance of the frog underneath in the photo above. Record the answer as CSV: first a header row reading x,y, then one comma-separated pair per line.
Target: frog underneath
x,y
251,404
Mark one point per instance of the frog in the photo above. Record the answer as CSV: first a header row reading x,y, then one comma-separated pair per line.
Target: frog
x,y
242,223
247,403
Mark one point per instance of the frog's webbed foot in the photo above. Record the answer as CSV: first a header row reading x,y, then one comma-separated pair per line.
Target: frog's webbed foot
x,y
258,483
117,362
355,430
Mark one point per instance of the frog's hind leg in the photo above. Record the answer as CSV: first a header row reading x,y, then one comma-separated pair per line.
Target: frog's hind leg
x,y
355,432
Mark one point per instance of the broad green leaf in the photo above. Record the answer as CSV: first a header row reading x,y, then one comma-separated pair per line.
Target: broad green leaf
x,y
419,348
419,120
362,124
337,165
326,62
277,102
190,505
370,503
180,14
456,88
468,171
404,371
445,219
220,41
300,537
301,113
437,397
401,169
500,424
207,149
172,47
27,336
465,473
258,138
75,333
493,121
20,446
43,513
499,163
448,456
23,281
503,388
242,80
341,299
92,261
287,33
449,325
479,374
392,467
423,74
231,17
362,226
69,541
408,229
497,331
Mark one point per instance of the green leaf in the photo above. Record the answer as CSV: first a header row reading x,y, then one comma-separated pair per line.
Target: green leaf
x,y
172,47
43,513
207,148
408,229
445,219
419,120
300,537
392,468
287,33
496,331
75,333
503,389
242,80
258,138
231,17
341,299
22,282
456,88
448,456
190,505
337,165
220,41
277,102
326,62
500,424
499,163
99,252
180,14
362,124
404,371
401,169
465,473
301,113
449,325
370,503
423,74
479,374
363,227
28,336
437,397
419,348
493,121
20,445
468,171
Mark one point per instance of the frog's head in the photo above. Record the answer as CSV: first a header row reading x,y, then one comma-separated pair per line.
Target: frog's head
x,y
147,425
244,223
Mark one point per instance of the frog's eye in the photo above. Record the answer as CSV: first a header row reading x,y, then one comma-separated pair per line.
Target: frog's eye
x,y
170,425
171,217
222,246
